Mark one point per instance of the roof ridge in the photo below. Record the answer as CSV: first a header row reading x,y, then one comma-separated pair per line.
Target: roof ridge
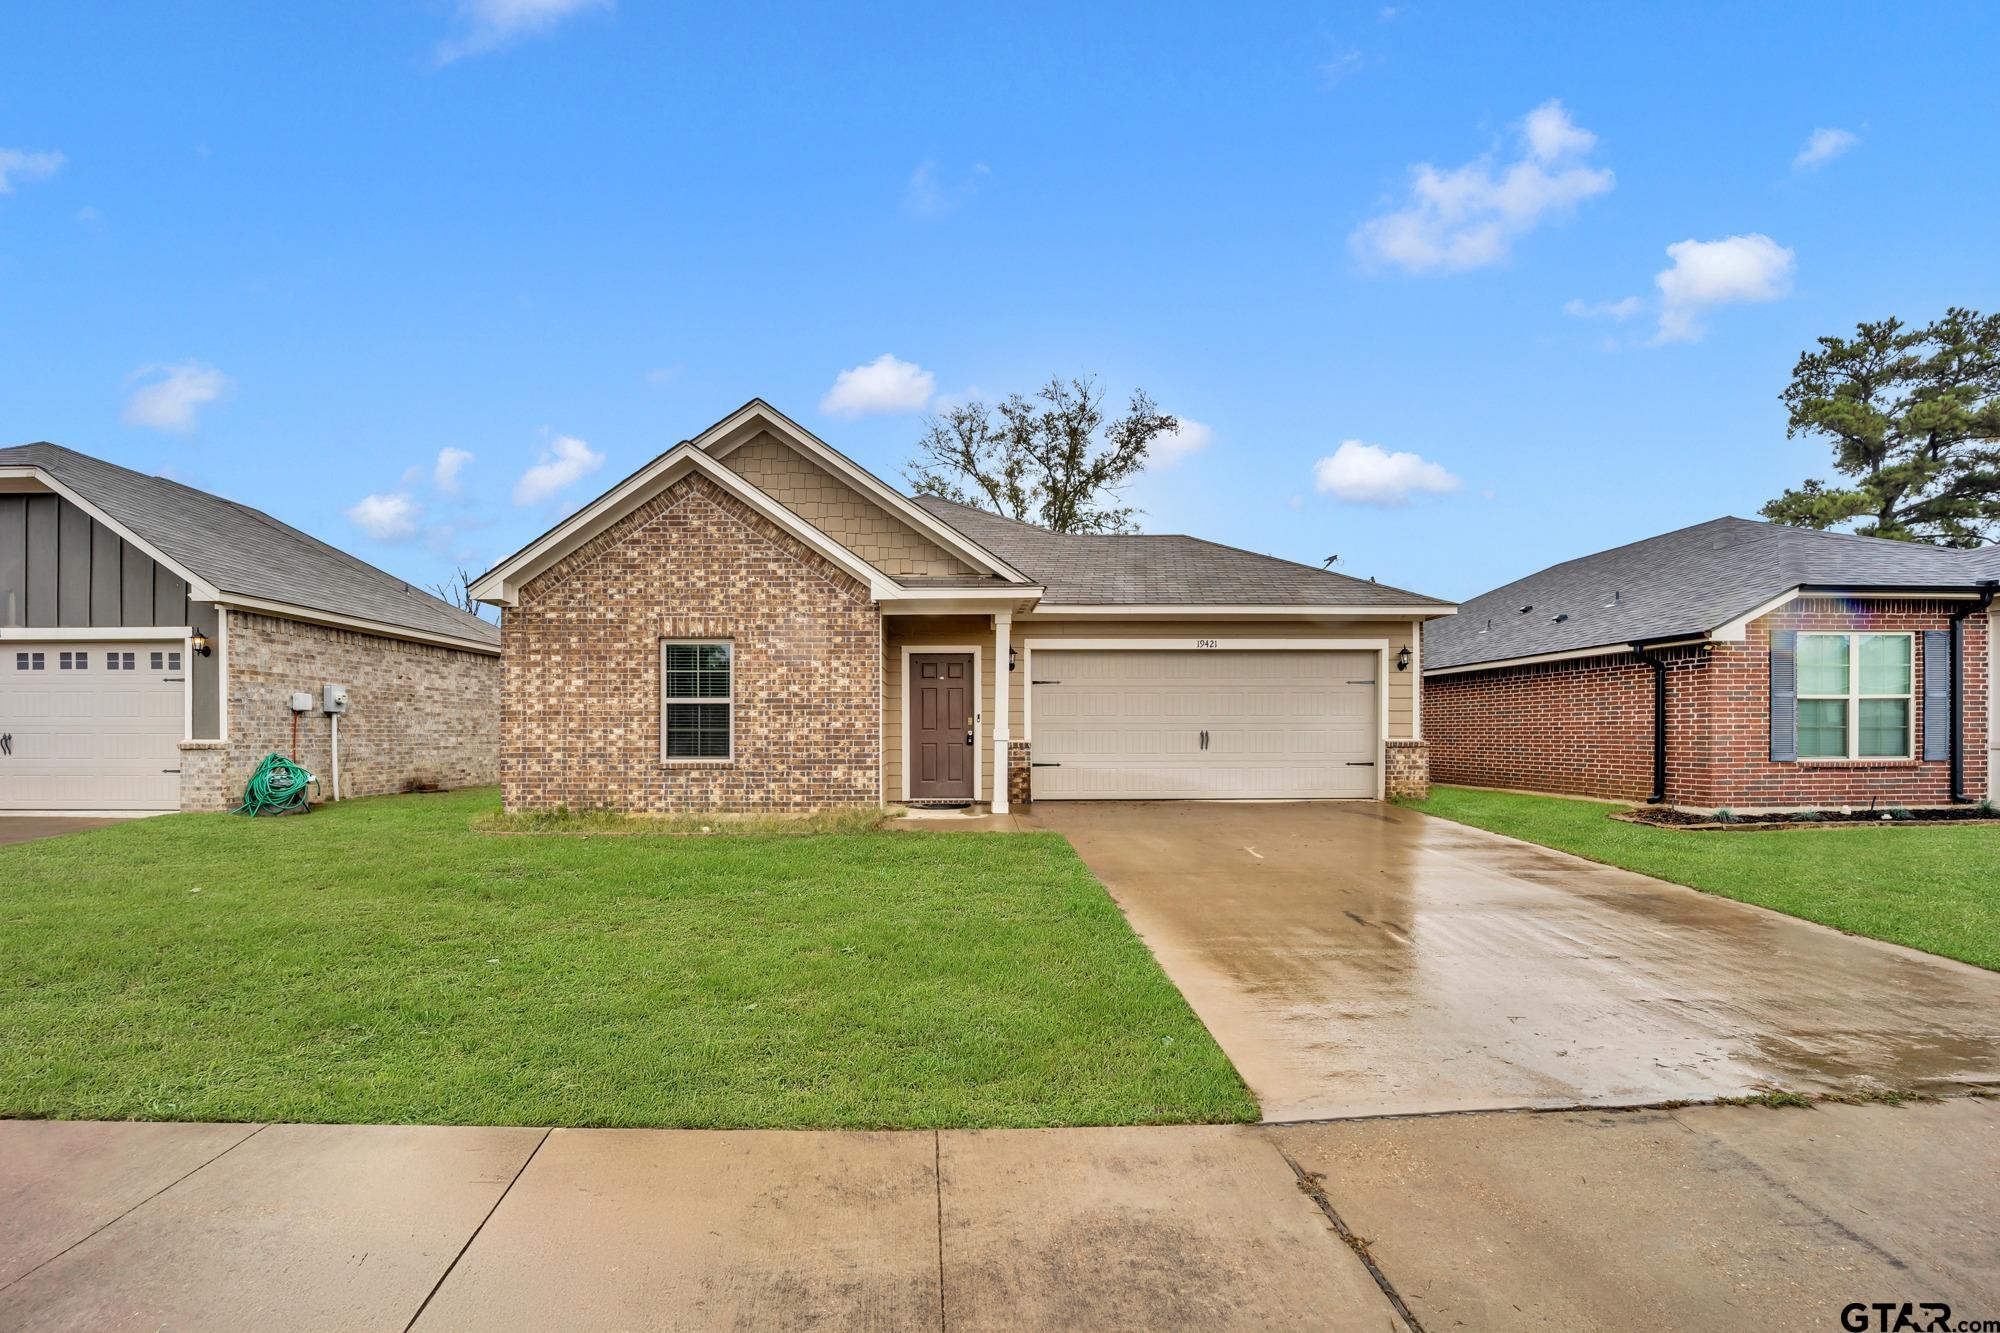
x,y
1310,569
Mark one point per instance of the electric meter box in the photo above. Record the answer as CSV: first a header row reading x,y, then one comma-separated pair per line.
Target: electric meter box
x,y
333,699
302,702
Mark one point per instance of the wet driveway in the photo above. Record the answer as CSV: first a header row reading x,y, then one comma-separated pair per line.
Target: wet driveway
x,y
1360,959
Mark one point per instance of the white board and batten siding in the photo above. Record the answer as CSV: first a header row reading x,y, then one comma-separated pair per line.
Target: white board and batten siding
x,y
90,736
1206,723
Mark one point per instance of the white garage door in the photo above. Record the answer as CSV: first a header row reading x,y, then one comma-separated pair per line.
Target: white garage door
x,y
1208,724
90,726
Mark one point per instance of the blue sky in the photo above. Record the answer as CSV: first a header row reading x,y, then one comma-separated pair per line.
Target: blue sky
x,y
295,254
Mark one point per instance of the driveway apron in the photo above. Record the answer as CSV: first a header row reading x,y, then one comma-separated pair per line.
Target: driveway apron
x,y
1363,959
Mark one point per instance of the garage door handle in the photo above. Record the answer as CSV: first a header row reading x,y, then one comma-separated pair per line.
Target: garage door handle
x,y
1045,682
1360,682
1204,740
1361,763
7,743
1050,764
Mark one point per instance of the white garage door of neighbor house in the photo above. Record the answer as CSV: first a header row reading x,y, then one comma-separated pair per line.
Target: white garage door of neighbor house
x,y
1210,724
90,726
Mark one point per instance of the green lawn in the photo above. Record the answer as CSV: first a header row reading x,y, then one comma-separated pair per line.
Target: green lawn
x,y
1932,887
379,961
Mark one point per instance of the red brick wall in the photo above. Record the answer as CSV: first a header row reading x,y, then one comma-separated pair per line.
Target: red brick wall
x,y
1583,727
1586,727
580,723
1734,745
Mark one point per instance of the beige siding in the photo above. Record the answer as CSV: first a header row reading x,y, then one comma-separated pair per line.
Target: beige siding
x,y
837,509
932,631
926,632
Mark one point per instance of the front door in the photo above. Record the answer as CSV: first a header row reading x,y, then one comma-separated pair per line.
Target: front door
x,y
942,727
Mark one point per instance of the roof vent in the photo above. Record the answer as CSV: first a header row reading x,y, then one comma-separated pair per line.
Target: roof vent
x,y
1489,626
1617,599
1558,619
1529,607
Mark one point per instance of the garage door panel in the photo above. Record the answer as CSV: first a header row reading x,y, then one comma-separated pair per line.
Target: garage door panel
x,y
1114,724
89,739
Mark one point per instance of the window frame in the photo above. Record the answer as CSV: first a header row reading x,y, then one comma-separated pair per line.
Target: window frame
x,y
1853,697
667,701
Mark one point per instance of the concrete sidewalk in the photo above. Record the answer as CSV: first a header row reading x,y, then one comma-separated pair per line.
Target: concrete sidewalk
x,y
1699,1217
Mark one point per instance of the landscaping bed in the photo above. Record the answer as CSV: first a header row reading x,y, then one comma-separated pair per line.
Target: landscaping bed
x,y
377,960
1665,817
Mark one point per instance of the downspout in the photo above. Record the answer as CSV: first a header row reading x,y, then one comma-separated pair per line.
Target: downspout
x,y
1986,591
1659,666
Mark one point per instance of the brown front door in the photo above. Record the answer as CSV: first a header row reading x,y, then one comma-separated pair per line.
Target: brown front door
x,y
941,726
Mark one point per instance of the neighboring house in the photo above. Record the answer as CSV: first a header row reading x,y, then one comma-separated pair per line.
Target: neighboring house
x,y
1733,664
152,639
753,622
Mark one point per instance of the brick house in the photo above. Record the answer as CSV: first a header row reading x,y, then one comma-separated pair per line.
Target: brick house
x,y
1731,664
154,639
754,622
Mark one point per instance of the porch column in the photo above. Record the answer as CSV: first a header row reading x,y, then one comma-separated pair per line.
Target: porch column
x,y
1003,624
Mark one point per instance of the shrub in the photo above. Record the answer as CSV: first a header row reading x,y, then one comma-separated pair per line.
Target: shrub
x,y
1900,812
1725,816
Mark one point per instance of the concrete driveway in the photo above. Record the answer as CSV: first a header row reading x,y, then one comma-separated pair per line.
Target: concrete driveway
x,y
1362,959
29,828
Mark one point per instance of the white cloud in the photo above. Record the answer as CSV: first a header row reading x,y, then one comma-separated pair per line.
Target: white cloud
x,y
1369,474
488,24
1343,63
450,462
1469,217
1822,146
170,396
387,518
1730,271
1191,437
20,164
564,463
1620,310
929,195
884,385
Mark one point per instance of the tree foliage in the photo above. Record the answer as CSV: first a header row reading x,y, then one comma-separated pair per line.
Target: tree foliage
x,y
1913,415
1053,459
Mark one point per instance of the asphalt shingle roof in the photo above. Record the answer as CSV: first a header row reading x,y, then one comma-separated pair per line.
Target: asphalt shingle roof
x,y
1127,569
245,551
1682,584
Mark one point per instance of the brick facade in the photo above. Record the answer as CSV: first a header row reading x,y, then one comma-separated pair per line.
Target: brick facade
x,y
1408,777
420,715
1586,727
581,711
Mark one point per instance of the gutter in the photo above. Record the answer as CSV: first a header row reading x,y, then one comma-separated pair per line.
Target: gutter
x,y
1985,600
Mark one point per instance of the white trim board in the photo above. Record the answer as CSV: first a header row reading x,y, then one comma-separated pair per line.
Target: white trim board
x,y
1197,611
978,708
756,416
199,588
502,584
1380,647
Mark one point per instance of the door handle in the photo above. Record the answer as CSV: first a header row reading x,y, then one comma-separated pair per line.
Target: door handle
x,y
968,738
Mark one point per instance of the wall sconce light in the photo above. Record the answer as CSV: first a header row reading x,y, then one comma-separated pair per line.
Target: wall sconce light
x,y
1403,659
1013,658
200,644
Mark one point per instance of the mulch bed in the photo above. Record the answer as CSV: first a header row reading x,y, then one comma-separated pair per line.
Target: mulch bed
x,y
1661,817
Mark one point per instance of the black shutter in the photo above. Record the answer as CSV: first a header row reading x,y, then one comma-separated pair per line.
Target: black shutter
x,y
1937,695
1785,696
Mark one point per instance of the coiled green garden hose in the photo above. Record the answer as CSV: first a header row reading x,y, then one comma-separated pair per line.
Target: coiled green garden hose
x,y
278,787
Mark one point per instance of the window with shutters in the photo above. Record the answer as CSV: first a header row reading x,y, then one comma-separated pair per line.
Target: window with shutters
x,y
1855,696
698,687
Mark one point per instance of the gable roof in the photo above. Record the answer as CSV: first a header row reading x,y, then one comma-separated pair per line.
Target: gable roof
x,y
1686,584
1127,569
231,552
